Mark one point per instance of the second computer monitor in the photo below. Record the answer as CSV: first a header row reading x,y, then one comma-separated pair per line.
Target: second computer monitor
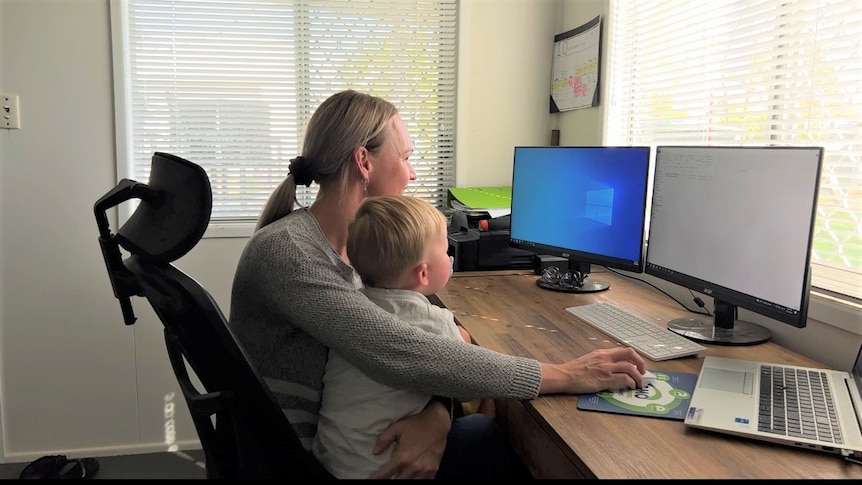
x,y
586,204
736,224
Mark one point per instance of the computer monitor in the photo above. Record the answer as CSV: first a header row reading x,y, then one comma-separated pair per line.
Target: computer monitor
x,y
735,224
583,203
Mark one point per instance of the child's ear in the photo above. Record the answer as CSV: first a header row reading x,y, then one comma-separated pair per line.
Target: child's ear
x,y
420,274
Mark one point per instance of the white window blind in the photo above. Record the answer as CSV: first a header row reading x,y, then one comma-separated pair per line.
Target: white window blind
x,y
229,85
751,72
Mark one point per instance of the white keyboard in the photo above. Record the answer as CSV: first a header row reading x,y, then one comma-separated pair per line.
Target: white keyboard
x,y
648,339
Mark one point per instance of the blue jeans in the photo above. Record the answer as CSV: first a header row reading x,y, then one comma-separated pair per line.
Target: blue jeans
x,y
477,447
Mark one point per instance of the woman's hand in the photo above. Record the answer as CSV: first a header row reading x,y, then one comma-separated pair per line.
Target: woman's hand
x,y
601,369
419,439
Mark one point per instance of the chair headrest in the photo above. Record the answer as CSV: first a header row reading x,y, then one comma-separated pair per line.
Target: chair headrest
x,y
165,229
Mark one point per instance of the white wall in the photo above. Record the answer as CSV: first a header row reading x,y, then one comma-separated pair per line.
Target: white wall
x,y
73,379
585,126
68,366
504,72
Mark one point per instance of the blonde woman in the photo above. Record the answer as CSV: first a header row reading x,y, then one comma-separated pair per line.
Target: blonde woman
x,y
296,296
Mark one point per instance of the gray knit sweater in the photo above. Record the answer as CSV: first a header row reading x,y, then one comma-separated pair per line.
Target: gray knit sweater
x,y
293,298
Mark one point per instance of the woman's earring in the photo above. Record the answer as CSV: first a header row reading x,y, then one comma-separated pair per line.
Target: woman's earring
x,y
365,186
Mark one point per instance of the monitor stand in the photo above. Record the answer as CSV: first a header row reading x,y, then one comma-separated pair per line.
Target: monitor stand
x,y
574,280
588,286
724,329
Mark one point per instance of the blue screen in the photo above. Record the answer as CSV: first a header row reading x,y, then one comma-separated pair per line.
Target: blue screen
x,y
587,203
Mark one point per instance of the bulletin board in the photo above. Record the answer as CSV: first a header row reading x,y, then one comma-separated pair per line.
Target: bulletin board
x,y
576,67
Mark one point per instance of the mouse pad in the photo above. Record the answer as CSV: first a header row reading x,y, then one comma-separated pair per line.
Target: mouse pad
x,y
668,397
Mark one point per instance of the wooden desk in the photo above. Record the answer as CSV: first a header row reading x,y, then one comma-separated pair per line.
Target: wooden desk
x,y
506,311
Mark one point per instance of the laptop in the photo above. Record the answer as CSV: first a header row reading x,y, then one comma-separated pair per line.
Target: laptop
x,y
769,402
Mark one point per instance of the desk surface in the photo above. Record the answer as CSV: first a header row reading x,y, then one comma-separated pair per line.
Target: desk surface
x,y
507,312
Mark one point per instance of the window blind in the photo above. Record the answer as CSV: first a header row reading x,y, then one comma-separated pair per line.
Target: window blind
x,y
751,72
229,85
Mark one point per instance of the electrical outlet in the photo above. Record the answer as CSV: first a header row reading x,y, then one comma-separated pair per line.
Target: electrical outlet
x,y
10,115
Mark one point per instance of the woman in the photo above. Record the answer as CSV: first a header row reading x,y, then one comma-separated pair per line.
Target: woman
x,y
295,296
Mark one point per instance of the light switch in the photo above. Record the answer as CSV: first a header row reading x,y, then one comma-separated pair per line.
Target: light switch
x,y
10,116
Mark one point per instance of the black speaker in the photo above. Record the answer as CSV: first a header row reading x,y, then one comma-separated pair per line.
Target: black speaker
x,y
542,261
464,247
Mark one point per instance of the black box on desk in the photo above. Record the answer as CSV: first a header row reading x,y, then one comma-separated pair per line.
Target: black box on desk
x,y
475,250
542,261
464,248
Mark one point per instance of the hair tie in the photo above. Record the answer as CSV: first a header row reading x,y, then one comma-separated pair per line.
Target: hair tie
x,y
299,169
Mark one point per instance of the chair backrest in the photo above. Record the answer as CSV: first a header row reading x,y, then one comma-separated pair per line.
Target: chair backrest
x,y
241,427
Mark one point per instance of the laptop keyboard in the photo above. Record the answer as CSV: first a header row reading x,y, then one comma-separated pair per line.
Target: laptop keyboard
x,y
797,403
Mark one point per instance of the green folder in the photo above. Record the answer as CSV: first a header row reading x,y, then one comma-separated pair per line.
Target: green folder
x,y
480,198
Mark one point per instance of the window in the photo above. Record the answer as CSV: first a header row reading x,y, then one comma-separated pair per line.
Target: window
x,y
739,72
230,84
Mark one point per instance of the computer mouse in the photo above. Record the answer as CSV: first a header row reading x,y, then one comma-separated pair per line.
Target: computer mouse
x,y
649,378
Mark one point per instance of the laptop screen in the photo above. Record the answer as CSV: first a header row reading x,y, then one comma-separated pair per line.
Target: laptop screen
x,y
857,370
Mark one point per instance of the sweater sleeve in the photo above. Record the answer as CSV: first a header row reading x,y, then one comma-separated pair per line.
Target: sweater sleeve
x,y
300,284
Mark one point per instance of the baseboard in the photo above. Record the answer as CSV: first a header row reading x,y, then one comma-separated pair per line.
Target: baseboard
x,y
96,452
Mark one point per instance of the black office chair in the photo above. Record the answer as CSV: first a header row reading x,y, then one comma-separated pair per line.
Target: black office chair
x,y
242,429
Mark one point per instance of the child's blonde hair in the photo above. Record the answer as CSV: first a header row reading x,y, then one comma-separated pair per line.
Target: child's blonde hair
x,y
390,235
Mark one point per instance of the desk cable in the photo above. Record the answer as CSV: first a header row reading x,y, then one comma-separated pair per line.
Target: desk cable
x,y
696,299
851,457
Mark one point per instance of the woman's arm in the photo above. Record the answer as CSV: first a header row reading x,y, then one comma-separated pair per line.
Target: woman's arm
x,y
288,279
319,301
615,368
395,352
288,284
